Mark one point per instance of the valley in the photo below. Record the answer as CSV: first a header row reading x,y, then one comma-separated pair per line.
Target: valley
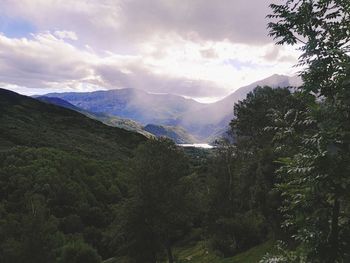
x,y
174,131
182,120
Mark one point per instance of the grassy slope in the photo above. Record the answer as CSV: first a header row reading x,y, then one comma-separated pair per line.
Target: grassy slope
x,y
199,254
25,121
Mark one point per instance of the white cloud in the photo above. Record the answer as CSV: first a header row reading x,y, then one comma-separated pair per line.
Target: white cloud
x,y
228,64
198,48
48,62
66,35
113,23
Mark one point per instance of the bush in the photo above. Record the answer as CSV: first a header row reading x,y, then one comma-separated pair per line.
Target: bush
x,y
234,235
79,252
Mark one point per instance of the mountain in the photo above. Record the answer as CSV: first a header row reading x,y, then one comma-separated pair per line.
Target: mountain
x,y
58,102
215,117
109,120
133,104
25,121
177,134
202,121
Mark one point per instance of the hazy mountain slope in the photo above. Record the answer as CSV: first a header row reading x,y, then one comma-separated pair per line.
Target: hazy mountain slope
x,y
177,134
25,121
58,102
203,121
216,116
109,120
133,104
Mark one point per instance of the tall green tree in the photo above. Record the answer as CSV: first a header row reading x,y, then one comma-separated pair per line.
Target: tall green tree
x,y
255,152
243,203
316,183
159,208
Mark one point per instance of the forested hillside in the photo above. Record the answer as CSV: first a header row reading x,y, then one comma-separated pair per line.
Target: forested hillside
x,y
29,122
60,181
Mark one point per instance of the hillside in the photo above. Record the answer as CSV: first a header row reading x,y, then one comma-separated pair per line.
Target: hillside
x,y
109,120
25,121
177,134
132,104
203,121
215,117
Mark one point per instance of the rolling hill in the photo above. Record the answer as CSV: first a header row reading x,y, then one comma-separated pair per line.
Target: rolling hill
x,y
25,121
109,120
177,134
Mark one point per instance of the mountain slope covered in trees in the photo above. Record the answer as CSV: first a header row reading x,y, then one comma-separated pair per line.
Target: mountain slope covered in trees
x,y
28,122
61,181
177,134
109,120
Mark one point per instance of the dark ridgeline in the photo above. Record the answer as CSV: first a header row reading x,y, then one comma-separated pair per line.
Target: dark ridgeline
x,y
28,122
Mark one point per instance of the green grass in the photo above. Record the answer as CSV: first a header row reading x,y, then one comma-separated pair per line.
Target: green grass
x,y
252,255
200,254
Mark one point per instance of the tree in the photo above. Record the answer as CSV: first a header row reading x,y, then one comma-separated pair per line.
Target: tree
x,y
255,154
79,252
321,29
243,203
158,210
316,183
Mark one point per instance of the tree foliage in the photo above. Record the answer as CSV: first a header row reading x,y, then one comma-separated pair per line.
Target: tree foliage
x,y
321,29
315,180
158,211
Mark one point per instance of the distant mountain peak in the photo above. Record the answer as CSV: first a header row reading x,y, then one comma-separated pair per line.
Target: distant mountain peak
x,y
200,120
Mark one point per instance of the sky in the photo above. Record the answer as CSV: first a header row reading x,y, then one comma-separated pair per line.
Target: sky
x,y
201,49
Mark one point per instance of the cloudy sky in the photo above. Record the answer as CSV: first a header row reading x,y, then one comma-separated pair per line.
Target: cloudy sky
x,y
202,49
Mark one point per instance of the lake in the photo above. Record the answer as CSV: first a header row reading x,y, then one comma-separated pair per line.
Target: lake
x,y
198,145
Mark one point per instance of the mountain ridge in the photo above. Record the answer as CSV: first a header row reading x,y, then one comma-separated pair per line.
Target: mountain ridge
x,y
201,120
132,104
177,134
25,121
217,115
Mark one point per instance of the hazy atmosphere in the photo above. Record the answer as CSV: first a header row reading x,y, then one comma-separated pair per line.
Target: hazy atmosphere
x,y
199,49
174,131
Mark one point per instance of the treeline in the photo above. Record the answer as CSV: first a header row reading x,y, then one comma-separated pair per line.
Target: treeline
x,y
286,177
58,206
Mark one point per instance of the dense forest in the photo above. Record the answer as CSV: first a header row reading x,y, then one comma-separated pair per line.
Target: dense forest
x,y
75,190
